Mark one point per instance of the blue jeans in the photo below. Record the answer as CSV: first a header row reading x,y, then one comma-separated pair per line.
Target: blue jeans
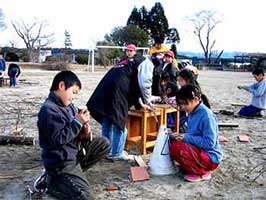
x,y
12,80
116,136
249,110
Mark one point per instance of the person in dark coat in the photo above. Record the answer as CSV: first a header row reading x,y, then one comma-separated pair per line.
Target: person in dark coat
x,y
165,68
13,73
119,89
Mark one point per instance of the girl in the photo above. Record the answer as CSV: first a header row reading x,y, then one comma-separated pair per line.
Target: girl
x,y
197,150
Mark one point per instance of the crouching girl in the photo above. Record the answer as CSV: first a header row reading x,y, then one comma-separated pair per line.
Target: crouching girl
x,y
197,150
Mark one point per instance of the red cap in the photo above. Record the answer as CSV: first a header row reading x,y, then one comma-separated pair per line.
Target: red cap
x,y
169,53
131,47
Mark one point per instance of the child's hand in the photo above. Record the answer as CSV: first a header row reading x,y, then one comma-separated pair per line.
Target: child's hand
x,y
83,116
240,87
85,132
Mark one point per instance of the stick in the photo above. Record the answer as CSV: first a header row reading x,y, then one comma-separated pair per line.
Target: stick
x,y
6,139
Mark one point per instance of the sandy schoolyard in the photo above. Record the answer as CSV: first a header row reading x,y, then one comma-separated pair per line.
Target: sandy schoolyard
x,y
242,174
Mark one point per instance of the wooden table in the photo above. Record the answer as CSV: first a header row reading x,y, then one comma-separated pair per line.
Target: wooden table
x,y
169,109
143,128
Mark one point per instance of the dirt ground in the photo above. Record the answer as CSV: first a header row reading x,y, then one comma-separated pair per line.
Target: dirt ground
x,y
234,179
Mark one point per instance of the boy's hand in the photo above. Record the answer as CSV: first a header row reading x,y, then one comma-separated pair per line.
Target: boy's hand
x,y
85,132
240,87
83,116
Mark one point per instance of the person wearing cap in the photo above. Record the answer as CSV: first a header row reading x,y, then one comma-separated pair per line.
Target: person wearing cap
x,y
166,68
169,68
131,50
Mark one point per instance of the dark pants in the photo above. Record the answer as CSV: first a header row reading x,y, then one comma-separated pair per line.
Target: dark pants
x,y
12,81
1,81
73,184
249,111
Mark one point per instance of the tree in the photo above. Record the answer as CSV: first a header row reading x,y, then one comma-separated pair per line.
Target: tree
x,y
204,23
129,34
158,22
139,18
33,36
68,43
2,20
134,18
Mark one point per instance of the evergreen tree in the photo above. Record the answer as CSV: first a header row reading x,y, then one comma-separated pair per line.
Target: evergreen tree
x,y
134,18
144,19
158,22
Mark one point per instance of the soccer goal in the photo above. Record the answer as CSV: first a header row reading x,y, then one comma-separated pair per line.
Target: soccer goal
x,y
91,56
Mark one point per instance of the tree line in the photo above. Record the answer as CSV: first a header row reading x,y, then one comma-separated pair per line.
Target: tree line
x,y
142,26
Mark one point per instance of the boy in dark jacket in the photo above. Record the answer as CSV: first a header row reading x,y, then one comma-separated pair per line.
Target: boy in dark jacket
x,y
13,73
64,140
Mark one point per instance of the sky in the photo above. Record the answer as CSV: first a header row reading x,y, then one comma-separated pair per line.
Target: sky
x,y
242,29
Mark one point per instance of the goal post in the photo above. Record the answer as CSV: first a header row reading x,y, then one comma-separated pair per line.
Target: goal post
x,y
91,59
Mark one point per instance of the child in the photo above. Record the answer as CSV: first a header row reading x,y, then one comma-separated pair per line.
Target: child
x,y
258,91
197,150
185,77
2,68
13,73
131,51
118,90
64,154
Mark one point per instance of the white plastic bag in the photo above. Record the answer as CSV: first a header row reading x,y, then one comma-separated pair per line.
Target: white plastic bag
x,y
160,162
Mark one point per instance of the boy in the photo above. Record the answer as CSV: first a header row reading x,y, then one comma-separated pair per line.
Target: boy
x,y
65,153
197,150
258,91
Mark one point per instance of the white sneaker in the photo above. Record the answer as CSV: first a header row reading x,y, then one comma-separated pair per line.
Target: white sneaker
x,y
124,156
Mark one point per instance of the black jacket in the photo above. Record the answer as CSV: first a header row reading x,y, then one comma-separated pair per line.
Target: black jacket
x,y
13,70
58,132
170,70
117,91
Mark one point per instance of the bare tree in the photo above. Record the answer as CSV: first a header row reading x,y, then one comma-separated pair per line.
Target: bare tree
x,y
204,23
2,20
33,35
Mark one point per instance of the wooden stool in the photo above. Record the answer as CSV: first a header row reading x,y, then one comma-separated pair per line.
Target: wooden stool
x,y
5,79
142,128
169,109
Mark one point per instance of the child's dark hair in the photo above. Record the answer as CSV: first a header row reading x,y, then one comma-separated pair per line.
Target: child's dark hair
x,y
258,71
68,77
188,76
187,93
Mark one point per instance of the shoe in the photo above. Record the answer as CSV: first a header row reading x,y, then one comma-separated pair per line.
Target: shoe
x,y
39,184
124,156
197,178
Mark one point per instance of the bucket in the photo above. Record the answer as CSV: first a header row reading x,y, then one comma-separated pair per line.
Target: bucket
x,y
160,162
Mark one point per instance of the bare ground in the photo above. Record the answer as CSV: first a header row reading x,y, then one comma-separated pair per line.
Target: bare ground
x,y
234,179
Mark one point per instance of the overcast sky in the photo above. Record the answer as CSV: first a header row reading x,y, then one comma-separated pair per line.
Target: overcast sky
x,y
243,27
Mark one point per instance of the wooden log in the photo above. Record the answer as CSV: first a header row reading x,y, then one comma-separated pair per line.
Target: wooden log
x,y
8,139
228,124
238,104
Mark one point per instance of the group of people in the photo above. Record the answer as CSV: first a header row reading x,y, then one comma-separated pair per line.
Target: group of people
x,y
13,71
65,136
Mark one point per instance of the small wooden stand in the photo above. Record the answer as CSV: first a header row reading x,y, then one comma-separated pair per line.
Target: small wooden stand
x,y
169,109
142,128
